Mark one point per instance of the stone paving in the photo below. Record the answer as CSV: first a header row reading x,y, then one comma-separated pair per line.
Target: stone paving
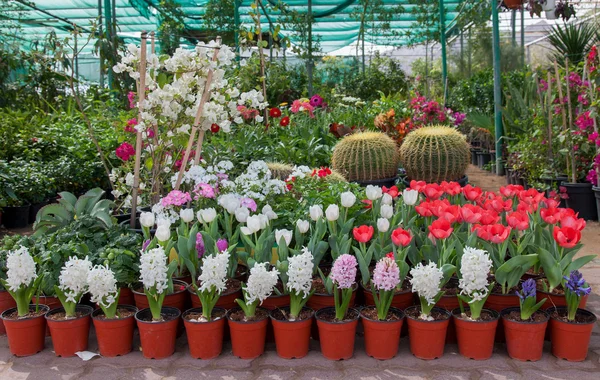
x,y
269,366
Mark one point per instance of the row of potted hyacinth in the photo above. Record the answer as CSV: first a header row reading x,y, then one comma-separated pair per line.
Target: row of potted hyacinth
x,y
525,326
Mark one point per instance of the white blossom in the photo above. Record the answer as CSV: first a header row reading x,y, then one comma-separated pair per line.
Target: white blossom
x,y
187,215
102,286
332,213
285,234
474,269
153,269
348,199
260,283
268,212
163,232
73,278
373,192
147,219
253,225
300,272
20,269
315,212
383,225
426,281
229,202
410,197
242,214
214,272
303,226
386,199
387,211
207,215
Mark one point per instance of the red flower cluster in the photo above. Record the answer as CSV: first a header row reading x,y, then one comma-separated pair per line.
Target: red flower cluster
x,y
125,151
321,173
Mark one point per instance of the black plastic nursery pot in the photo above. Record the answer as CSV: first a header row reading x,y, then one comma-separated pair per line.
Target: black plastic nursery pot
x,y
483,159
474,152
33,210
596,191
387,182
16,216
581,199
509,177
463,181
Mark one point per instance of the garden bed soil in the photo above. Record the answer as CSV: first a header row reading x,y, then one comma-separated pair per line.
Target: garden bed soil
x,y
32,314
62,316
329,316
197,317
436,315
371,313
485,316
121,314
281,315
537,317
239,316
450,289
405,287
164,318
579,317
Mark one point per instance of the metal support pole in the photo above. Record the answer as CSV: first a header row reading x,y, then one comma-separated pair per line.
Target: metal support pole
x,y
309,63
443,44
100,32
108,28
497,88
427,70
469,47
236,31
523,36
513,25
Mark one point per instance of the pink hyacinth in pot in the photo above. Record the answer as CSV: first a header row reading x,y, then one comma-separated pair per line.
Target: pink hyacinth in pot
x,y
386,277
343,276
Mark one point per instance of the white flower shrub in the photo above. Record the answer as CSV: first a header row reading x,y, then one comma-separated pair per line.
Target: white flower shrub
x,y
300,272
214,272
20,269
102,286
260,283
426,280
474,269
153,269
73,279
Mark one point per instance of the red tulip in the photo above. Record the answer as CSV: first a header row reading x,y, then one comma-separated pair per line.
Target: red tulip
x,y
368,203
572,221
451,214
531,196
433,191
498,204
471,193
438,206
390,255
392,191
551,203
471,213
489,217
511,190
518,220
363,233
424,209
551,215
566,237
401,237
451,188
440,229
417,185
527,208
495,233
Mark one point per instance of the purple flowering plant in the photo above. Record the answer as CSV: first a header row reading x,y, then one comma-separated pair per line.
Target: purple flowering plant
x,y
386,277
527,297
575,288
343,277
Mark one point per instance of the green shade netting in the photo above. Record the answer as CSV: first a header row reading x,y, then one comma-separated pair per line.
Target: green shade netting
x,y
335,25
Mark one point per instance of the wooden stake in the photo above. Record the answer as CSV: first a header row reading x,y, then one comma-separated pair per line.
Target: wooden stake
x,y
138,138
203,100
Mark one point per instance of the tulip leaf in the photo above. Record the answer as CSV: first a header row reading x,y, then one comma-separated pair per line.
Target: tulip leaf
x,y
552,268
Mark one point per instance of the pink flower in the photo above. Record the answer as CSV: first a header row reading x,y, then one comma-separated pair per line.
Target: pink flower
x,y
247,113
131,123
298,106
131,98
125,151
249,203
176,198
584,121
386,275
343,272
204,190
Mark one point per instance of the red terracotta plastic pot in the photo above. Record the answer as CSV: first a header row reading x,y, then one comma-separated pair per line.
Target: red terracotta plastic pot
x,y
382,337
400,300
337,338
158,338
499,302
449,303
177,299
52,302
205,339
556,300
276,302
570,340
6,302
115,336
226,300
26,336
524,340
320,301
247,338
70,335
126,297
475,338
427,338
292,338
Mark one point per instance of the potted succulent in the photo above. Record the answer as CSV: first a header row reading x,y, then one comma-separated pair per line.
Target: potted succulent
x,y
292,325
70,324
427,324
525,326
570,326
381,323
475,326
205,325
337,326
157,324
113,322
248,323
25,325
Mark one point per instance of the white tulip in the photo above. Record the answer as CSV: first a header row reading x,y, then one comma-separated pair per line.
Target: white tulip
x,y
268,211
285,234
316,212
374,192
242,214
207,215
163,232
332,213
264,221
410,197
302,225
229,202
147,219
253,224
348,199
187,215
386,199
387,211
383,225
